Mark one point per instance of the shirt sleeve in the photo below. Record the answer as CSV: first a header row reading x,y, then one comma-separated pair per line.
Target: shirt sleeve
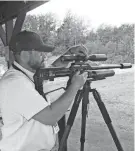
x,y
26,100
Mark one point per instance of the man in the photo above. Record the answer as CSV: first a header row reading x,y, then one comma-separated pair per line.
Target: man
x,y
30,122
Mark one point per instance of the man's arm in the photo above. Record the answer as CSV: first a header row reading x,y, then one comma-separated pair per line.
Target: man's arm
x,y
51,115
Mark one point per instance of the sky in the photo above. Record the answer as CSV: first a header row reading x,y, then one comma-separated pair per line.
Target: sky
x,y
94,12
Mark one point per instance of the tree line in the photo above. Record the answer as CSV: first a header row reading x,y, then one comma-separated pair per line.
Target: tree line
x,y
116,42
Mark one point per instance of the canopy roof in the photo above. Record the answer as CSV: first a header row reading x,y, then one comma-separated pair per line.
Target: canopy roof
x,y
10,9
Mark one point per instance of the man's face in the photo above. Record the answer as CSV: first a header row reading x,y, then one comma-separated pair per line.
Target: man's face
x,y
36,59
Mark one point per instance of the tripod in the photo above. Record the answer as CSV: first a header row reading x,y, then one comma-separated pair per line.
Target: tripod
x,y
83,95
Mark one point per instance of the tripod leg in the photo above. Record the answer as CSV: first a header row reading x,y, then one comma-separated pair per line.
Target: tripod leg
x,y
62,125
107,119
70,120
85,102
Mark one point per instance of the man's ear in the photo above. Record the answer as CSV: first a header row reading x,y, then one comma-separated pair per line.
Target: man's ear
x,y
25,55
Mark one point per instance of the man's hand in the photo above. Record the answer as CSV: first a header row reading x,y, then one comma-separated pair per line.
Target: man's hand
x,y
78,80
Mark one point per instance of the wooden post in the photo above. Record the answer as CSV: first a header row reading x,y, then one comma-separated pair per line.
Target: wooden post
x,y
4,40
19,23
10,31
2,35
17,28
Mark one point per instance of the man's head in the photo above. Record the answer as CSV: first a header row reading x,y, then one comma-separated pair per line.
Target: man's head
x,y
29,49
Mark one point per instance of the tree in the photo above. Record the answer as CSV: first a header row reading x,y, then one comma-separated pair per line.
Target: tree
x,y
44,25
71,32
104,34
116,42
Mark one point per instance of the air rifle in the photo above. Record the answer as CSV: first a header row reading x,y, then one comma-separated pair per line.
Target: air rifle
x,y
79,63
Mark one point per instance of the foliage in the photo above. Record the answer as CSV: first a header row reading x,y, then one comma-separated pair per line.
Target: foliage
x,y
71,32
116,42
44,25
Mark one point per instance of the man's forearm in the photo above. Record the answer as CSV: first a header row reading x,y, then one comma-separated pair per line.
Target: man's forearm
x,y
60,106
52,114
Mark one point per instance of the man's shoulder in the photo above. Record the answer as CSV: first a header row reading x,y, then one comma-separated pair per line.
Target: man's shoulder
x,y
13,76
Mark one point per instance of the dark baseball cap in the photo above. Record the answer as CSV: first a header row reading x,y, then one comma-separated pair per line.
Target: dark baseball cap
x,y
27,41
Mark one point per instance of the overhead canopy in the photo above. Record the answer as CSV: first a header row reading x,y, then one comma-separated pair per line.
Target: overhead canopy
x,y
10,9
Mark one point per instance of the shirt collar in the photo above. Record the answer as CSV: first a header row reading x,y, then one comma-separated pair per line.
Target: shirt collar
x,y
29,73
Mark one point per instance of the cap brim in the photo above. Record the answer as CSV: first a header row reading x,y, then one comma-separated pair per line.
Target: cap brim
x,y
45,48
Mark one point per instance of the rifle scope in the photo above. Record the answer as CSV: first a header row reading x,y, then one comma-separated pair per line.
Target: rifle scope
x,y
94,57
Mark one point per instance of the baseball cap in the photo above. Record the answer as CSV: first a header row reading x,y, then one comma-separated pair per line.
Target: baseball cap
x,y
79,49
28,40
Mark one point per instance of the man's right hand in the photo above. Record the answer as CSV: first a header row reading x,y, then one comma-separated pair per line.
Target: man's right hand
x,y
78,80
